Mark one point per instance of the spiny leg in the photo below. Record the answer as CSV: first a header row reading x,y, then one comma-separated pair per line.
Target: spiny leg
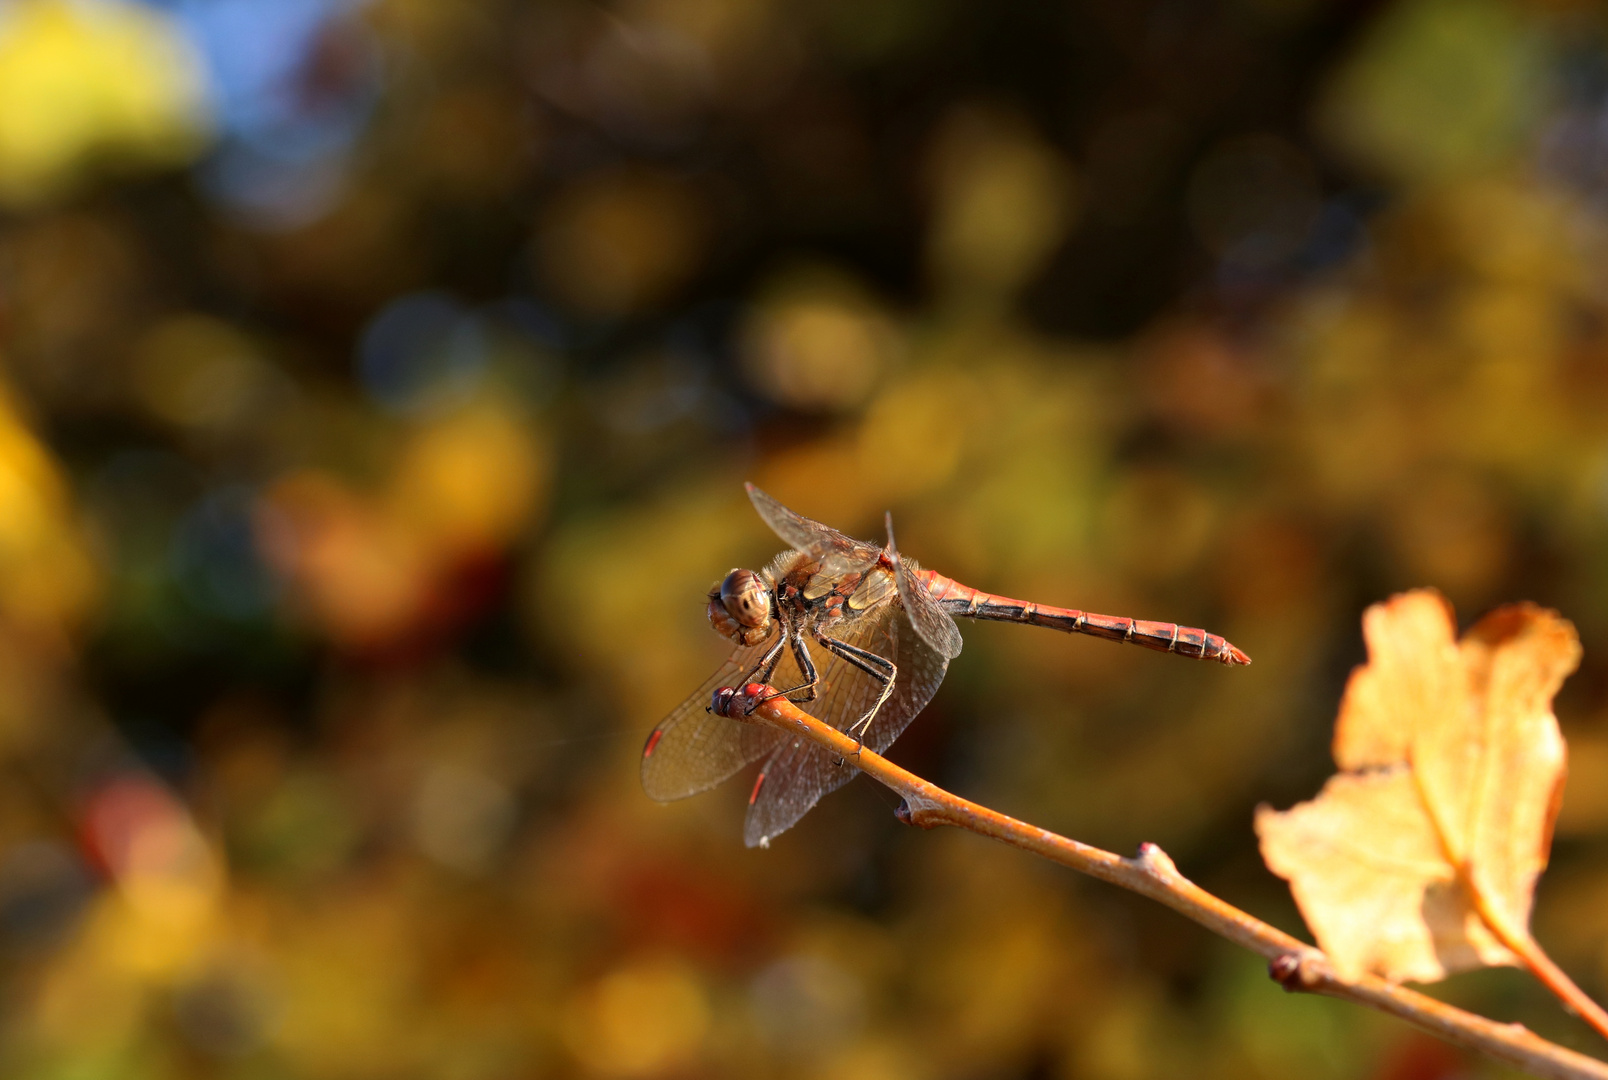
x,y
762,671
880,668
806,667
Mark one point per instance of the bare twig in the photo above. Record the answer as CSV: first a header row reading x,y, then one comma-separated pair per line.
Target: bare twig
x,y
1296,965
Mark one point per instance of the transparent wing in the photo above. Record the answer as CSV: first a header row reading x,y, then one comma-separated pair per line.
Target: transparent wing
x,y
935,625
790,784
921,669
692,749
800,772
847,554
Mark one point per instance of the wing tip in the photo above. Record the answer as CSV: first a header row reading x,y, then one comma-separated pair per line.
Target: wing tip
x,y
762,500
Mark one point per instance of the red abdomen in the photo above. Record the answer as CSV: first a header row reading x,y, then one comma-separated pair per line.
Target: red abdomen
x,y
963,601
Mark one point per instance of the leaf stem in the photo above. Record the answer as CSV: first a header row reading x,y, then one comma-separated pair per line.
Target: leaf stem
x,y
1296,965
1533,957
1556,980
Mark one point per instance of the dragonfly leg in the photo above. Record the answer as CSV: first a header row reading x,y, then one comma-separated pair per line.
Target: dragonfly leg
x,y
806,667
766,667
879,668
760,672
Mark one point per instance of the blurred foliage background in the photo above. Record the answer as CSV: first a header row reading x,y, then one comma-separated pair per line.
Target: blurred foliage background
x,y
378,383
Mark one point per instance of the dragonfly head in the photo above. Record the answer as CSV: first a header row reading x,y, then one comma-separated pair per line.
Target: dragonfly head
x,y
740,607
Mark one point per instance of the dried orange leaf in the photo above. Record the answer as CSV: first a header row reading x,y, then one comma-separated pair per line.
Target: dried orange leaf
x,y
1420,858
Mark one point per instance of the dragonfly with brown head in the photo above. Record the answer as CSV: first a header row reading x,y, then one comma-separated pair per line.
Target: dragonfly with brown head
x,y
886,631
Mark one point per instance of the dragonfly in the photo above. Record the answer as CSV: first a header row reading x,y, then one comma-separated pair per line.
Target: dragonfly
x,y
859,637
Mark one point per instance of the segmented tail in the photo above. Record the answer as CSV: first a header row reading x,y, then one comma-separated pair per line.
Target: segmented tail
x,y
963,601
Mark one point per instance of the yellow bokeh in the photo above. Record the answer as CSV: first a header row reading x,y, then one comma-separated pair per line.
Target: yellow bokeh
x,y
644,1020
81,81
1003,199
47,580
818,341
471,479
619,242
200,372
1436,88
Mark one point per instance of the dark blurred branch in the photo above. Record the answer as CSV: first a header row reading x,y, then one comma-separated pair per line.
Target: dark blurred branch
x,y
1296,965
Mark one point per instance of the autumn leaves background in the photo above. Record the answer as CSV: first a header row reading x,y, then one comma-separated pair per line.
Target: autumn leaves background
x,y
379,383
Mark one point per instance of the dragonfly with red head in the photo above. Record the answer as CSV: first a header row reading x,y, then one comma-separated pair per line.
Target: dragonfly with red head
x,y
885,630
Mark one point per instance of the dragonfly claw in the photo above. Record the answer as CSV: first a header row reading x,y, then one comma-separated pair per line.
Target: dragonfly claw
x,y
859,745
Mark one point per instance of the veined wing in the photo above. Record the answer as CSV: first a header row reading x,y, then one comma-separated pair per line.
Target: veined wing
x,y
935,625
843,553
692,749
800,772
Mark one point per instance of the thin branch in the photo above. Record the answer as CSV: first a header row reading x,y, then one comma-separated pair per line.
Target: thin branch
x,y
1296,965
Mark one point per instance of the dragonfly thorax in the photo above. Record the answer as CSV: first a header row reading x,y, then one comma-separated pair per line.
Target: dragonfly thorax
x,y
742,607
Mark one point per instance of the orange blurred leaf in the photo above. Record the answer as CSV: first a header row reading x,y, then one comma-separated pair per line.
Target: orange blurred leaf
x,y
1420,857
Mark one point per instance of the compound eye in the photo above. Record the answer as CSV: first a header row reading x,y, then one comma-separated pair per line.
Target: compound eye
x,y
745,598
